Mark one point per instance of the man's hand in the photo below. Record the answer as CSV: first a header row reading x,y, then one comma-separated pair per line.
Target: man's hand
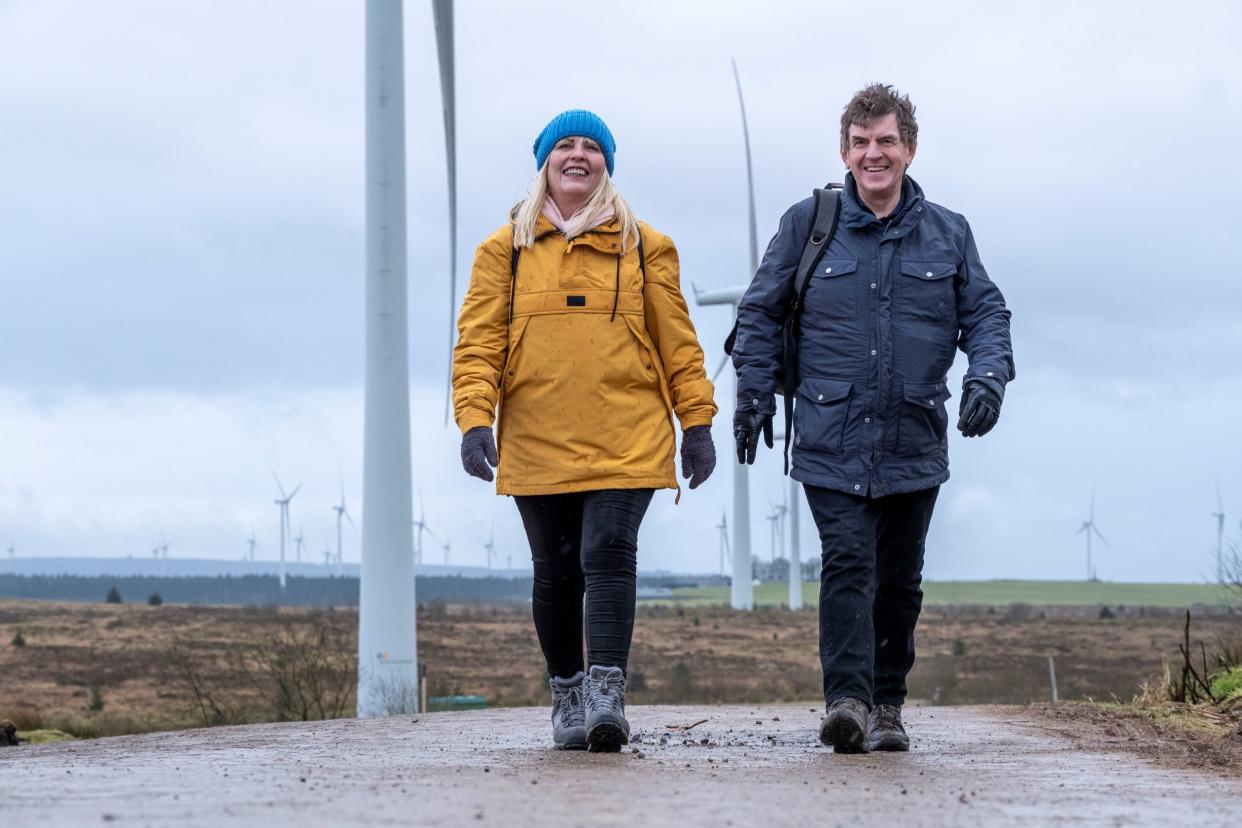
x,y
478,449
979,409
698,455
748,421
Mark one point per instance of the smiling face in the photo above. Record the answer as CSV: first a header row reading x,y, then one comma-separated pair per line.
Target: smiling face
x,y
575,167
878,159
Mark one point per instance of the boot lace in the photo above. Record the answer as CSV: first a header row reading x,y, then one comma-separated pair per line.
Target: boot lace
x,y
568,701
607,692
888,717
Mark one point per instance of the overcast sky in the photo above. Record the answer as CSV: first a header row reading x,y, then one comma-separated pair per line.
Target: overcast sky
x,y
181,253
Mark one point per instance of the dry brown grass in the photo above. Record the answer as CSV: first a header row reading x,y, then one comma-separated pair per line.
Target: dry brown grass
x,y
119,657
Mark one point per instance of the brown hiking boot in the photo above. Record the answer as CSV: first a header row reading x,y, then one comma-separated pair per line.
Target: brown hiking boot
x,y
884,731
845,726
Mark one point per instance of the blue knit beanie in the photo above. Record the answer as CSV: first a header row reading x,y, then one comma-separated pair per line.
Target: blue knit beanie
x,y
575,122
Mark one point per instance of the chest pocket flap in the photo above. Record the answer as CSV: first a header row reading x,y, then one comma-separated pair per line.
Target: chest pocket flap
x,y
824,391
829,268
928,271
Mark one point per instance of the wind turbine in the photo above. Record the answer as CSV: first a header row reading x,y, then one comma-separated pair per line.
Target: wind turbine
x,y
723,526
1219,514
342,513
773,534
251,541
421,526
283,503
297,545
12,549
490,546
1089,527
448,547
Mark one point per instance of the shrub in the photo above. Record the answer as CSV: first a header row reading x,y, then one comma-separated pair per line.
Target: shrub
x,y
97,701
636,679
19,640
114,597
680,683
154,600
1105,613
1228,685
959,647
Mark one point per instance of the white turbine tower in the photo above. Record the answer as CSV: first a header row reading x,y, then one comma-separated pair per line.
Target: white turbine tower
x,y
1219,514
447,546
297,545
12,549
387,624
442,13
252,543
490,546
723,526
285,529
1089,528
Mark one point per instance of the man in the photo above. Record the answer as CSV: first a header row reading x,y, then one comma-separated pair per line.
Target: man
x,y
898,287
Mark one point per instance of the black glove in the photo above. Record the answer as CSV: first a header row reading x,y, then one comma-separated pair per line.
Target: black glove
x,y
979,409
698,454
748,421
478,449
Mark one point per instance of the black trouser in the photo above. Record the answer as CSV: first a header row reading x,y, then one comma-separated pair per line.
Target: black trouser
x,y
584,543
869,590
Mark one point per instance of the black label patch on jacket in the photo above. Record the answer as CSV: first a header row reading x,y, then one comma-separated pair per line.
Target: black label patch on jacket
x,y
575,301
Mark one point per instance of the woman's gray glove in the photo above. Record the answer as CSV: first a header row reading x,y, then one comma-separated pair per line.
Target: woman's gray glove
x,y
478,449
698,454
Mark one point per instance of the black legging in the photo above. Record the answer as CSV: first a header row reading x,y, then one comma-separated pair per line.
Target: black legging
x,y
584,543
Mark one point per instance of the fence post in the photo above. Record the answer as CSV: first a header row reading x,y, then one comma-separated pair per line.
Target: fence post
x,y
1052,675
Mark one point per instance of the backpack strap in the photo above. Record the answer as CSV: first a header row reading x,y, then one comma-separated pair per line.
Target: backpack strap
x,y
827,211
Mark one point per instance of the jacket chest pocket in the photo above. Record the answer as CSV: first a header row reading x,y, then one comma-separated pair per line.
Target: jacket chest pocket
x,y
923,421
832,291
926,291
820,414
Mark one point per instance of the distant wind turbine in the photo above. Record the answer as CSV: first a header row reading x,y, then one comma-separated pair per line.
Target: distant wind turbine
x,y
421,526
12,549
252,542
1089,528
283,503
447,546
297,545
725,552
1219,514
342,513
490,546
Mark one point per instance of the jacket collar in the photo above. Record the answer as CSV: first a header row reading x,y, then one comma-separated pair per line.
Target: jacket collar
x,y
605,238
909,211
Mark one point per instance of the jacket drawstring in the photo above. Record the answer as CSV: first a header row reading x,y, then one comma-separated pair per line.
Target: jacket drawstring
x,y
616,295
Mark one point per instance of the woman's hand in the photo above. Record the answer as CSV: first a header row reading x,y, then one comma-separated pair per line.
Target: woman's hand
x,y
698,454
478,449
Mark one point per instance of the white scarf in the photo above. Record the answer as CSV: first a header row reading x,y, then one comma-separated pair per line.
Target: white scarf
x,y
579,222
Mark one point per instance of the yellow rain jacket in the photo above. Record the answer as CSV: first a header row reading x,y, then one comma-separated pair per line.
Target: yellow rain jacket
x,y
584,394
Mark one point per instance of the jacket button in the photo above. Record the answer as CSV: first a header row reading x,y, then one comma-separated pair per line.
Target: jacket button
x,y
821,396
873,285
857,487
866,419
755,401
829,270
989,373
873,352
928,274
931,402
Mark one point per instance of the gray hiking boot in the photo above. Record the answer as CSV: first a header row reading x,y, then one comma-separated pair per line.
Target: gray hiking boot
x,y
568,713
606,727
845,726
884,731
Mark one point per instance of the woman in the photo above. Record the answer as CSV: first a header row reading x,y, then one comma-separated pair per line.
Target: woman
x,y
575,329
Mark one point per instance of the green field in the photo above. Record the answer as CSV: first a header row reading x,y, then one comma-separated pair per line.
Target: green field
x,y
1070,593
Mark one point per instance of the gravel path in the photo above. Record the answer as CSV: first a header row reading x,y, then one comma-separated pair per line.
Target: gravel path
x,y
744,766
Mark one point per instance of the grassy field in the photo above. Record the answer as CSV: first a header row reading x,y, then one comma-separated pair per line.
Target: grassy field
x,y
999,593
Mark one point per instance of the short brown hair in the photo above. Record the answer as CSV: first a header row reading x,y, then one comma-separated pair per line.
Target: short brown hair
x,y
876,101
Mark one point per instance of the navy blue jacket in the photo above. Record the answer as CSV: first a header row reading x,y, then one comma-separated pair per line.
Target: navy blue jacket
x,y
884,311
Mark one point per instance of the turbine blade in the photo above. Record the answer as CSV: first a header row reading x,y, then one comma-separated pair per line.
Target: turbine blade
x,y
277,479
724,360
1220,504
295,491
1100,535
442,14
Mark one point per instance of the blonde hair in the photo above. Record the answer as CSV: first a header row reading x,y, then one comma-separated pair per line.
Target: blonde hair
x,y
525,214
